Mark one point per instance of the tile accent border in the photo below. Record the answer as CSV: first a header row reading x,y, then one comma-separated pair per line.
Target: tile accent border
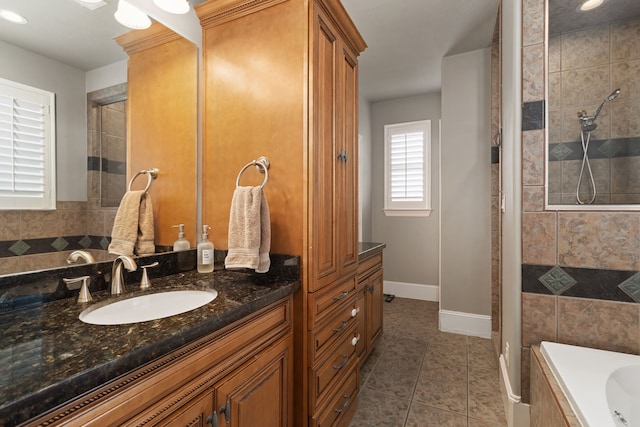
x,y
11,248
598,149
533,115
601,284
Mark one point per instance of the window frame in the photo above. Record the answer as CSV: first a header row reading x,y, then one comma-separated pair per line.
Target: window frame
x,y
408,208
47,201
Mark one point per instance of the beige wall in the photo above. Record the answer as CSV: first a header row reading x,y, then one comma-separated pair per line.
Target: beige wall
x,y
597,240
465,248
411,255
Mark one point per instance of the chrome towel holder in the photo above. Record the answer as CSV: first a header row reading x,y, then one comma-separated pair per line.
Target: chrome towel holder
x,y
262,164
151,175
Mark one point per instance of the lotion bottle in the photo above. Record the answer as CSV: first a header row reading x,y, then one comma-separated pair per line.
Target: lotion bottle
x,y
181,244
205,252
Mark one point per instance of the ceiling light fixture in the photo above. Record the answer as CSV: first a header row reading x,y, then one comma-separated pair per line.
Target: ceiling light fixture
x,y
132,17
11,16
178,7
590,5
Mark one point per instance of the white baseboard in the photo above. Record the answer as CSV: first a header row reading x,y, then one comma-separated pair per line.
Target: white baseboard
x,y
516,412
412,290
476,325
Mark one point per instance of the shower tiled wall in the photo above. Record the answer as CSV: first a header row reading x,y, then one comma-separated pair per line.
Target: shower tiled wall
x,y
579,273
584,67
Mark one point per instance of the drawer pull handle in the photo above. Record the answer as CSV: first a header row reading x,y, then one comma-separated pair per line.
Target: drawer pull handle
x,y
346,403
344,325
355,340
345,359
355,311
342,295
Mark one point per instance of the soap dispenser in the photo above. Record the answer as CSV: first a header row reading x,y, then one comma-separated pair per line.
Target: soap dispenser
x,y
205,252
181,244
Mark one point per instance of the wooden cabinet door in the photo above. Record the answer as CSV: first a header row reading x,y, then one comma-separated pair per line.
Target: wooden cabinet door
x,y
257,393
334,205
375,299
324,155
197,413
347,170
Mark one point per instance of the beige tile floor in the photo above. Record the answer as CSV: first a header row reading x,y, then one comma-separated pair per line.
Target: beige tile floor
x,y
418,376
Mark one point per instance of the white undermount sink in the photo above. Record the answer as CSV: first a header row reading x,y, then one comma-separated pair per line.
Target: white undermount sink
x,y
147,307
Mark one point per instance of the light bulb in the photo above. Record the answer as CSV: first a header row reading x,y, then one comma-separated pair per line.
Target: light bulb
x,y
178,7
132,17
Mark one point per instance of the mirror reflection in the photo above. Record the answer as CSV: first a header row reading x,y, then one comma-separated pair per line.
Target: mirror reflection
x,y
88,75
593,118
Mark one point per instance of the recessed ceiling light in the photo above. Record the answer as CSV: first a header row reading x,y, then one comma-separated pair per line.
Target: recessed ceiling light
x,y
11,16
91,4
590,5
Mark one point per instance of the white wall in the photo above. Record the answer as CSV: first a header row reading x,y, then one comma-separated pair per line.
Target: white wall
x,y
68,84
411,255
107,76
465,194
71,86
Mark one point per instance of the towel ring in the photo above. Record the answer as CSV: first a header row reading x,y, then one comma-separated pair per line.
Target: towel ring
x,y
151,175
262,164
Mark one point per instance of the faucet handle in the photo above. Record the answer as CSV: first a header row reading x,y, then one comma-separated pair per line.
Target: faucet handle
x,y
84,296
145,283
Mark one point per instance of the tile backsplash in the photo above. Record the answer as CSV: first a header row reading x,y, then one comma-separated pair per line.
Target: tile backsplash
x,y
34,240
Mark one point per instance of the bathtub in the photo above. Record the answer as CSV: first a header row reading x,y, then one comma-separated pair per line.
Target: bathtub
x,y
602,387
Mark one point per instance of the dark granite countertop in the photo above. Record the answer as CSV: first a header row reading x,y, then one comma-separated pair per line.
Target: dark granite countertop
x,y
367,249
48,356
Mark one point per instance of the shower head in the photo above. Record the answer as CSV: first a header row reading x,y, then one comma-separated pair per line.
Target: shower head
x,y
613,95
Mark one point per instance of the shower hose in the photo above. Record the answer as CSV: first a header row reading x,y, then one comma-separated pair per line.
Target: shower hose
x,y
585,161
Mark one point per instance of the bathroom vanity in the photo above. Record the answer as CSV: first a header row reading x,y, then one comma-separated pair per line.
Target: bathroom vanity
x,y
228,362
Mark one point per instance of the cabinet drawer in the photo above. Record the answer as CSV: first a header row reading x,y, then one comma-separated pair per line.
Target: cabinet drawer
x,y
342,404
335,327
331,369
371,263
321,303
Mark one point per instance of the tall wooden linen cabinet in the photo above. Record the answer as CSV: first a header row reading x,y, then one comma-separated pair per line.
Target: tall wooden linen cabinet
x,y
281,81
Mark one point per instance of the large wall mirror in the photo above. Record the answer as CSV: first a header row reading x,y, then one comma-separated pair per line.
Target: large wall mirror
x,y
86,199
593,105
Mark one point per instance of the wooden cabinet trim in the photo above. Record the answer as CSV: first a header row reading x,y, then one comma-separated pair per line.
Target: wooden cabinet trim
x,y
213,13
139,40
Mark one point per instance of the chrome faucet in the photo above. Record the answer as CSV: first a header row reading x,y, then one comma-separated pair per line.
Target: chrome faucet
x,y
76,255
117,281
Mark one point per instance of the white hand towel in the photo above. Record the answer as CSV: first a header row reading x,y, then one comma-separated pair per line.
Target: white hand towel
x,y
133,225
249,231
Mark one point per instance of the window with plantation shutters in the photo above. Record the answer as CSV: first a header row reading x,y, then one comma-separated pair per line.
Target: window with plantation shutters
x,y
27,147
407,180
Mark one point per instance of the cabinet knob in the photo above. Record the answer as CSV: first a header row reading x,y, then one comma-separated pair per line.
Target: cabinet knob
x,y
212,419
355,311
355,340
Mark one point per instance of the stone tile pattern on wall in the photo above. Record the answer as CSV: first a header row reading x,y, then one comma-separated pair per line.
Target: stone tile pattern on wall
x,y
584,67
599,250
35,240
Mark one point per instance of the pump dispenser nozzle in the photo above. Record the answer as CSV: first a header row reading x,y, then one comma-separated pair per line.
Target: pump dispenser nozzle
x,y
181,244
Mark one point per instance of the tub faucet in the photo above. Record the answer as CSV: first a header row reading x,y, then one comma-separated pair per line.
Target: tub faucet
x,y
117,281
76,255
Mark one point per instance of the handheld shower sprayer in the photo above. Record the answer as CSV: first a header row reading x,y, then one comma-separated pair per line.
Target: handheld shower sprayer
x,y
588,123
